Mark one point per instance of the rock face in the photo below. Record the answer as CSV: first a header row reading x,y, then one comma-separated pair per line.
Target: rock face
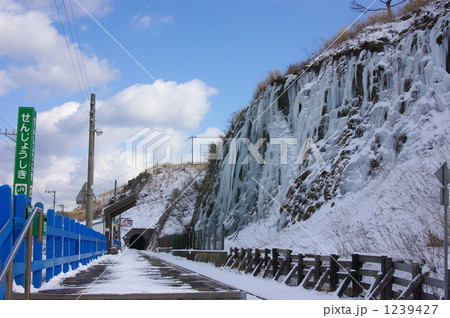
x,y
322,134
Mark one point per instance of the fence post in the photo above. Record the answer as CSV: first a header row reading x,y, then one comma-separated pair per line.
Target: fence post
x,y
415,270
317,264
89,244
288,261
275,261
257,256
103,243
208,239
301,267
98,238
77,244
72,242
58,242
222,237
202,239
266,257
50,245
83,244
386,265
214,235
66,243
448,287
37,253
334,280
19,215
93,235
249,258
86,244
6,239
356,265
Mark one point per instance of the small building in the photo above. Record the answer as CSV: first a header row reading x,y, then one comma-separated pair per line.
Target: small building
x,y
99,225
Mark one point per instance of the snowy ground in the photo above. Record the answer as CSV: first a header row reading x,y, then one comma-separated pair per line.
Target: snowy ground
x,y
129,274
255,286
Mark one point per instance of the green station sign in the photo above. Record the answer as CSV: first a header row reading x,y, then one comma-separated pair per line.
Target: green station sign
x,y
25,141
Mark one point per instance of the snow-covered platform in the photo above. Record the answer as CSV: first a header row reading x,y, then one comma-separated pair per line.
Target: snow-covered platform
x,y
133,275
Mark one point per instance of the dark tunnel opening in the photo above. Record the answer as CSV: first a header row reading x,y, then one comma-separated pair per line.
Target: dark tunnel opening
x,y
137,241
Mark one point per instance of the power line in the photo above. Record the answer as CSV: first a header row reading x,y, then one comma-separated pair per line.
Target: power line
x,y
78,53
79,45
8,134
7,124
70,53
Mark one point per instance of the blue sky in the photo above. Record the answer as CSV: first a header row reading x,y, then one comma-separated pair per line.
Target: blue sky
x,y
207,55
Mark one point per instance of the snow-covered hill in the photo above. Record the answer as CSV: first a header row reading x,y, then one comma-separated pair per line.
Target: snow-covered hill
x,y
166,199
374,116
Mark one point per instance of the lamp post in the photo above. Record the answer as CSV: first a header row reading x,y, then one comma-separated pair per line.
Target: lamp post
x,y
54,196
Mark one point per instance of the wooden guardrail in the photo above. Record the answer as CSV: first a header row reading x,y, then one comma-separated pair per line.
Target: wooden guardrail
x,y
57,245
367,276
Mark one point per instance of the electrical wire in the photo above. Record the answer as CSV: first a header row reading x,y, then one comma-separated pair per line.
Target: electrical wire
x,y
78,54
7,124
70,53
79,45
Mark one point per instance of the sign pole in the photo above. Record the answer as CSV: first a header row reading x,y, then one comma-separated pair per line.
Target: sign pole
x,y
446,251
443,175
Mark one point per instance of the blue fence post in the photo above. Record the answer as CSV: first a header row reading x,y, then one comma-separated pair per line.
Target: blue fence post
x,y
20,205
77,244
37,254
92,234
6,235
97,244
73,241
83,244
50,245
66,243
88,244
58,242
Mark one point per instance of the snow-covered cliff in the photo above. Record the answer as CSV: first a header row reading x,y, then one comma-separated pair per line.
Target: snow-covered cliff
x,y
166,199
335,138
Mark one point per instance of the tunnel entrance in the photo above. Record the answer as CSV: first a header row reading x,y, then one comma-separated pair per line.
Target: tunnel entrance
x,y
137,241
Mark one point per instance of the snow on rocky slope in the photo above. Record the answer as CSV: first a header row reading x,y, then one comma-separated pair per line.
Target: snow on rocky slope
x,y
374,116
166,199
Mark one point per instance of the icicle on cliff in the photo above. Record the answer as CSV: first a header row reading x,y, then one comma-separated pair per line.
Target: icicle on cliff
x,y
373,101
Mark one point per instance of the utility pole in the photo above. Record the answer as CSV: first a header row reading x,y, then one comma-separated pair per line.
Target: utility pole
x,y
62,206
54,197
120,215
192,138
8,134
90,173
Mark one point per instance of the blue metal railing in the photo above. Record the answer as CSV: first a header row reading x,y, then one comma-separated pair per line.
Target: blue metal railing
x,y
67,243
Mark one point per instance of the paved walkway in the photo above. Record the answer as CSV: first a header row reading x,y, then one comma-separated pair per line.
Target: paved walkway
x,y
135,275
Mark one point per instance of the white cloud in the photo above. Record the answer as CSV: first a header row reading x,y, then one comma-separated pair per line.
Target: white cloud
x,y
62,135
153,20
162,104
94,7
34,55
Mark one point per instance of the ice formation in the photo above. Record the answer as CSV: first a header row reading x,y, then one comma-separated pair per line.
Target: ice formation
x,y
370,104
